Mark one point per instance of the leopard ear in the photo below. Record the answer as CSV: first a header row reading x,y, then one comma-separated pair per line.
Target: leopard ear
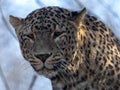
x,y
15,21
78,16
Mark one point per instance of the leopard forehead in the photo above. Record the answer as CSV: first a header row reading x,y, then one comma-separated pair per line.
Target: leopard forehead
x,y
44,22
48,17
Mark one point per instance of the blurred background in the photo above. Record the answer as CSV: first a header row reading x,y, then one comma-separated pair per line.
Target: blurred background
x,y
15,72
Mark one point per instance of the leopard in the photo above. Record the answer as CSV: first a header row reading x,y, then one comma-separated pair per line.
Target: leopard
x,y
74,49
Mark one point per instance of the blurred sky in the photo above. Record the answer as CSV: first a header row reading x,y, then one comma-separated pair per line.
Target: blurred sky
x,y
17,71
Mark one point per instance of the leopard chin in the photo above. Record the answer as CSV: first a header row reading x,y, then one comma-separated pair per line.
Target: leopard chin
x,y
47,72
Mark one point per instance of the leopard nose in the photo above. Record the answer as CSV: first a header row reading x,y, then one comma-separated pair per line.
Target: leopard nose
x,y
43,57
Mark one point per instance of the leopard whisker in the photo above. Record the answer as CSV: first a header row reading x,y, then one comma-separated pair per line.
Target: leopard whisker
x,y
25,66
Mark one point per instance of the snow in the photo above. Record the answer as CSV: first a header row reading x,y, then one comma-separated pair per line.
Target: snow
x,y
16,70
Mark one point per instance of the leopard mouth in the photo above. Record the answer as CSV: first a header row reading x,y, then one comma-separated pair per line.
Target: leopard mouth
x,y
47,72
50,66
44,62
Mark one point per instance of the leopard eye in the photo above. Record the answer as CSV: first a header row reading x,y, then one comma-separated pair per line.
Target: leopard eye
x,y
56,34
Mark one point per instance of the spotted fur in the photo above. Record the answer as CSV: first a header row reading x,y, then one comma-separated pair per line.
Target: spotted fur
x,y
73,49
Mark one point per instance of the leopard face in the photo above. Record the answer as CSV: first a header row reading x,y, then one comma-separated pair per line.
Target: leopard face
x,y
48,39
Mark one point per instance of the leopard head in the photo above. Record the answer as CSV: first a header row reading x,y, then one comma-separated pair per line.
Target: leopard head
x,y
48,38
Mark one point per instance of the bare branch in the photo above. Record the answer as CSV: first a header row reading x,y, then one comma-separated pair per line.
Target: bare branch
x,y
79,3
33,82
41,4
5,22
110,9
4,79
